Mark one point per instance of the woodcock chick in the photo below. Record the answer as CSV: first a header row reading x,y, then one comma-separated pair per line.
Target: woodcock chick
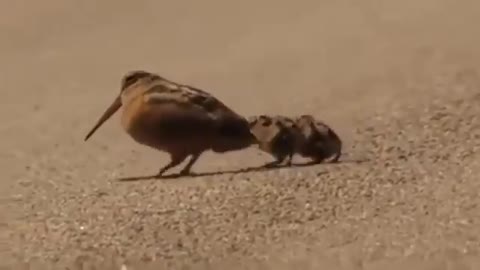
x,y
282,137
178,119
320,141
276,135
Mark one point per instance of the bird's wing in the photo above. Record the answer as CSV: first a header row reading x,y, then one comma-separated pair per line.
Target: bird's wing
x,y
167,91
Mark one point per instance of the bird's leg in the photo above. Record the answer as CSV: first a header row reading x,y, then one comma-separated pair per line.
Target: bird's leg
x,y
336,157
289,159
193,159
317,160
174,161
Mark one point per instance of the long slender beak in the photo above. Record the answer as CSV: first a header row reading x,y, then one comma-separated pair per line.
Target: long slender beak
x,y
117,103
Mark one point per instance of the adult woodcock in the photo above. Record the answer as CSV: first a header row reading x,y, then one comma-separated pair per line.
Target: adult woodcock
x,y
178,119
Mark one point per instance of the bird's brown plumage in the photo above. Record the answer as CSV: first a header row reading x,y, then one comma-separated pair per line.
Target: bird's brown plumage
x,y
178,119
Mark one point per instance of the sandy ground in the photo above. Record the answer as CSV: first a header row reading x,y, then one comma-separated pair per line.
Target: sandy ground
x,y
396,79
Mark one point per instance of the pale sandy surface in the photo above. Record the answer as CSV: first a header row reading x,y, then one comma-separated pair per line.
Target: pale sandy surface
x,y
397,80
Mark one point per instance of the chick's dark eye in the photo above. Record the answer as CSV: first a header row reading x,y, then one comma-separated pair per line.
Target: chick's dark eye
x,y
267,122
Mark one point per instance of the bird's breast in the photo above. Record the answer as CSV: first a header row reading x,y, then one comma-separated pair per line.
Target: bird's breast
x,y
134,121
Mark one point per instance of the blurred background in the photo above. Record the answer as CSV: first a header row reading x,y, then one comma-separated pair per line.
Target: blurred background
x,y
350,63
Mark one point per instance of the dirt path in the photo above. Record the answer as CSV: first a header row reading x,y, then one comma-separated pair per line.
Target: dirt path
x,y
397,81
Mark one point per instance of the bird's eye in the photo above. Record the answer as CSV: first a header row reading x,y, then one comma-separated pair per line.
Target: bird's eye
x,y
133,78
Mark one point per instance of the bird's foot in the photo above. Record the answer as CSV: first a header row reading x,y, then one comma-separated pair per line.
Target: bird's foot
x,y
159,175
272,164
186,172
288,163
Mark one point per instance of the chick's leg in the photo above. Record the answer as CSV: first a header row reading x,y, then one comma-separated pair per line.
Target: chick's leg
x,y
289,159
278,160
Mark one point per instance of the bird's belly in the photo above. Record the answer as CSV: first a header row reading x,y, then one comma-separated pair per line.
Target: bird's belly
x,y
166,128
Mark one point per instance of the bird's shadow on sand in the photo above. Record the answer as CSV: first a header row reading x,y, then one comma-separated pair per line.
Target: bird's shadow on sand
x,y
245,170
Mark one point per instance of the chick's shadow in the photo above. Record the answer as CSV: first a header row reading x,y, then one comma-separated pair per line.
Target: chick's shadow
x,y
244,170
